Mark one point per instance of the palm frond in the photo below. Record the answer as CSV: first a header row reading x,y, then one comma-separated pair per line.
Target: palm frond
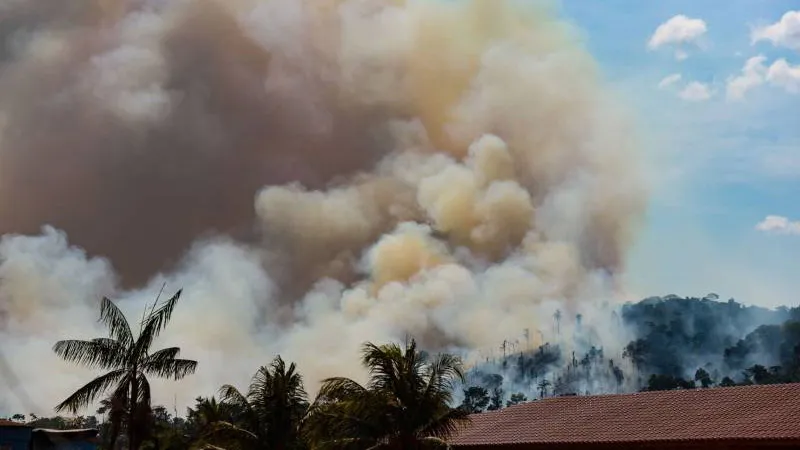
x,y
206,446
433,443
165,354
340,388
442,374
175,369
382,363
341,426
348,444
224,435
163,363
447,424
143,390
226,430
91,390
116,322
154,323
101,353
232,396
238,402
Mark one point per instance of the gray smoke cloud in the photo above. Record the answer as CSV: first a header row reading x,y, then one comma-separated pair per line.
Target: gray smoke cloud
x,y
313,173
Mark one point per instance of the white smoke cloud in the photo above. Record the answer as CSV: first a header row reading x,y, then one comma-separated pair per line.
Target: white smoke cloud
x,y
510,188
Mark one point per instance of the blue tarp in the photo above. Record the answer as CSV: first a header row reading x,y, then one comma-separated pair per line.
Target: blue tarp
x,y
14,437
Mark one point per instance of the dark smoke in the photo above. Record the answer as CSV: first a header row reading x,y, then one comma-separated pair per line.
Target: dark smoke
x,y
141,193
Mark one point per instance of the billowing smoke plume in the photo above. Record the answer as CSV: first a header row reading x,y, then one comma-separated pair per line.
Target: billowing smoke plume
x,y
313,173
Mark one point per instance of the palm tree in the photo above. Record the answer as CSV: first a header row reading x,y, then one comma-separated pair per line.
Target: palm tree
x,y
269,415
128,361
206,420
208,411
404,406
116,410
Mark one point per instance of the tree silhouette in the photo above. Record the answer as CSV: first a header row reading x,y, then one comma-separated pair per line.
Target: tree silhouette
x,y
703,377
128,361
516,399
269,415
404,406
496,400
476,399
542,386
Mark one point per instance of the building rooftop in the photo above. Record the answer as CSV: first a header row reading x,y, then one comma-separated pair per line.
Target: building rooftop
x,y
767,412
11,423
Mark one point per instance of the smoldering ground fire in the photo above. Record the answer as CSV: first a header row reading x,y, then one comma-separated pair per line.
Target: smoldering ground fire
x,y
446,169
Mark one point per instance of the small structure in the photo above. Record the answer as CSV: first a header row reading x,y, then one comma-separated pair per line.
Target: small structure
x,y
14,435
741,418
84,439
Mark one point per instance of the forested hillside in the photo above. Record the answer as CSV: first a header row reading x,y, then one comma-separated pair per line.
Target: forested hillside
x,y
675,343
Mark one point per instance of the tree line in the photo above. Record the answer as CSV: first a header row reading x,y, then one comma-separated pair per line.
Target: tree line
x,y
406,403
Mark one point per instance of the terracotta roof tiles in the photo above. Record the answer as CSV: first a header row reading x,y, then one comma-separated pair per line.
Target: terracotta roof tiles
x,y
10,423
747,412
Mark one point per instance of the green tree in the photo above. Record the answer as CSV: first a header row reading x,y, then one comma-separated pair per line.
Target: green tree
x,y
167,431
128,361
476,399
404,406
516,399
703,377
542,386
206,418
269,415
660,382
496,400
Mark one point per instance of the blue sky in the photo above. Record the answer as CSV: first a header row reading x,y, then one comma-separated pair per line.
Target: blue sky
x,y
719,165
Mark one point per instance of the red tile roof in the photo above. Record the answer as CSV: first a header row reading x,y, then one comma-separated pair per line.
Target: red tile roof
x,y
9,423
745,412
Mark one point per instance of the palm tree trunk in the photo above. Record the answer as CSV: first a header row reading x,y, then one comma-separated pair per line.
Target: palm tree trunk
x,y
133,438
113,434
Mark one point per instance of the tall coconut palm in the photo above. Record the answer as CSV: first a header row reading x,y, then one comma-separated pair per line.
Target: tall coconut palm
x,y
128,362
269,415
404,406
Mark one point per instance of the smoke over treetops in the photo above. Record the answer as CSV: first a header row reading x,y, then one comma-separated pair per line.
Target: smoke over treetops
x,y
313,173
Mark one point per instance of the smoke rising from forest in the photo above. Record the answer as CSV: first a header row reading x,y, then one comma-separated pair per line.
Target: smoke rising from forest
x,y
313,174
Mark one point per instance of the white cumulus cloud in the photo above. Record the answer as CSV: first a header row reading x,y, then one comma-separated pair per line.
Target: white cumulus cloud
x,y
669,80
785,75
677,31
696,92
755,72
752,75
783,33
778,225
